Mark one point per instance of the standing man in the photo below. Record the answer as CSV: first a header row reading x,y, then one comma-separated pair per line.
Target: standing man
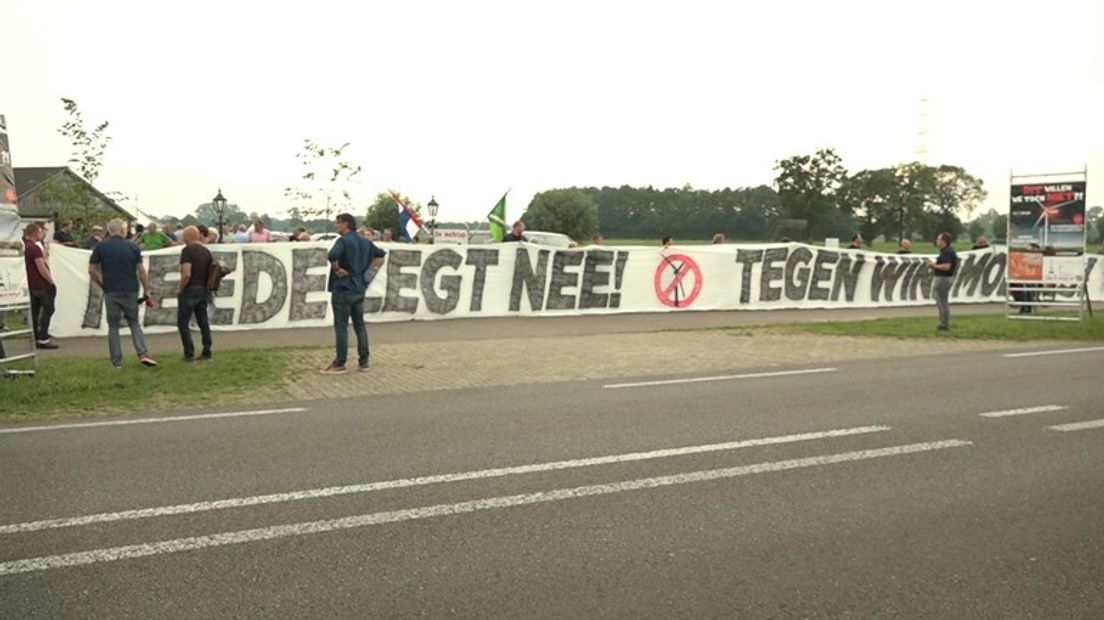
x,y
350,258
517,232
64,235
904,247
41,284
856,242
943,270
116,265
95,238
259,234
195,267
154,239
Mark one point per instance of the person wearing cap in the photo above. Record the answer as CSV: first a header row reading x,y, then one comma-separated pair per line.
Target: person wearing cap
x,y
95,238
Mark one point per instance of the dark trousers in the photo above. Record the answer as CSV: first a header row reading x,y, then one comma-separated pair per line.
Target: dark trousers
x,y
42,311
348,305
193,301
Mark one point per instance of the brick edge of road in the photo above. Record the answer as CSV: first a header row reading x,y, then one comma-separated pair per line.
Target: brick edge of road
x,y
513,328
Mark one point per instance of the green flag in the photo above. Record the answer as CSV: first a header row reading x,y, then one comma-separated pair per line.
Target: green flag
x,y
497,220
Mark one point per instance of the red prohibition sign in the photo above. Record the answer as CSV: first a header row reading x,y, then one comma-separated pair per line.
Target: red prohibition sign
x,y
672,292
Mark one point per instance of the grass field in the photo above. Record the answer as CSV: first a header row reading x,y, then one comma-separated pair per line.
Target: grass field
x,y
66,387
89,385
971,327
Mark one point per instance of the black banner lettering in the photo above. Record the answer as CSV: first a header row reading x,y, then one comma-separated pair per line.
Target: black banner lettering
x,y
398,281
302,284
529,279
257,263
450,284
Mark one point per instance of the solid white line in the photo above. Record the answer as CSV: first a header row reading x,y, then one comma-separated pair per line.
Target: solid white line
x,y
1054,352
182,418
758,375
1078,426
239,502
1024,411
314,527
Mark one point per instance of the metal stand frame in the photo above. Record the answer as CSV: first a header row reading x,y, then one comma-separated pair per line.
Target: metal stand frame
x,y
32,355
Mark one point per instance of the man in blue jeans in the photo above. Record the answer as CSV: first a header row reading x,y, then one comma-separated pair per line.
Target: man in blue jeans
x,y
116,265
195,268
350,257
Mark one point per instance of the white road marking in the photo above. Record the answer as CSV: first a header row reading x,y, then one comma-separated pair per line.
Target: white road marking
x,y
1078,426
758,375
182,418
1024,411
178,545
239,502
1054,352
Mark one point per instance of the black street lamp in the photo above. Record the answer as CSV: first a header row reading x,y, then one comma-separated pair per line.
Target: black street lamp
x,y
433,207
219,203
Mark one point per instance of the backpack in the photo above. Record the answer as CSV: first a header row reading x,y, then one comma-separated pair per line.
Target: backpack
x,y
215,275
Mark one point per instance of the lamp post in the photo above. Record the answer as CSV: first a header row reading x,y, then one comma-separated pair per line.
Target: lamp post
x,y
219,203
433,207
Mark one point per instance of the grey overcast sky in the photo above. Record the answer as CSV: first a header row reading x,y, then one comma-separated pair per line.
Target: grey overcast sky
x,y
463,100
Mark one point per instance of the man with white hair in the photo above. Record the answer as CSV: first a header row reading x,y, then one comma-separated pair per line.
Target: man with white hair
x,y
116,265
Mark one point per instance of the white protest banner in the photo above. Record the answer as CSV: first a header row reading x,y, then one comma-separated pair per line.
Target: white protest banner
x,y
280,285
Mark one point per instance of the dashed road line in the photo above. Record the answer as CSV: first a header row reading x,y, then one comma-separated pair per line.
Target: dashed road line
x,y
757,375
164,420
1054,352
1078,426
274,498
178,545
1024,411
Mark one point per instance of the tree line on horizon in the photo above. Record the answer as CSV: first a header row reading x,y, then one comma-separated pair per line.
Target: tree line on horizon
x,y
813,197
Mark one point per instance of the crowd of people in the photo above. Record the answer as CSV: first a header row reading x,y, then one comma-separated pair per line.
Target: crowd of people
x,y
115,264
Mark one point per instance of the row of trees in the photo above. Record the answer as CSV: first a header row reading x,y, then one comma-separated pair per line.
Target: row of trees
x,y
897,202
814,196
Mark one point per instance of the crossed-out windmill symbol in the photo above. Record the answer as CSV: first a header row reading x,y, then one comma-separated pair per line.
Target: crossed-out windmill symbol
x,y
671,286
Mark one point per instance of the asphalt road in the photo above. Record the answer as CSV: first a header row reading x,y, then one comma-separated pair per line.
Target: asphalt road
x,y
869,489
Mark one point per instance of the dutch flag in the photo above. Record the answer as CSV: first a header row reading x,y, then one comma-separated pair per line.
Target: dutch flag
x,y
408,220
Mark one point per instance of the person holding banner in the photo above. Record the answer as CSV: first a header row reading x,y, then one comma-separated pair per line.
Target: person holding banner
x,y
350,257
943,270
40,281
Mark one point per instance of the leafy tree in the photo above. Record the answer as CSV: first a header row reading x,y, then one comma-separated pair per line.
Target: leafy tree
x,y
71,201
953,190
205,214
325,185
1000,226
1093,226
975,228
868,194
807,187
384,213
88,146
569,211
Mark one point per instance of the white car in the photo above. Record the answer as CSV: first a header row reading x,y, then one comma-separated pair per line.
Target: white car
x,y
551,239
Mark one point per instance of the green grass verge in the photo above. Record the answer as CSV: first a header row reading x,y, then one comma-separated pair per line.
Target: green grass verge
x,y
969,327
74,386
